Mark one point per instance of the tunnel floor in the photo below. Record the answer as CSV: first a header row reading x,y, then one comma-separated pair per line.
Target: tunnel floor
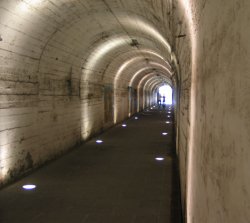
x,y
118,181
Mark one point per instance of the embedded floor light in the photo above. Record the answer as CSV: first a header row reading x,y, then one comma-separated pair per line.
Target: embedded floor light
x,y
169,112
164,133
169,116
29,187
124,125
159,158
136,118
99,141
167,122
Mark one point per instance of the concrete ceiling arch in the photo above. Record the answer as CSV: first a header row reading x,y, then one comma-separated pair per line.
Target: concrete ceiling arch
x,y
156,85
155,68
135,77
73,35
154,80
129,61
110,50
148,76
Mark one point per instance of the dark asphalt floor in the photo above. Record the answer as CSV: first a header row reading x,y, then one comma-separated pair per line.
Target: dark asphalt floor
x,y
118,181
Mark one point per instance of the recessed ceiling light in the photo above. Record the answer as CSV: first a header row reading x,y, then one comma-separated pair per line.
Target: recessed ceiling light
x,y
29,187
136,118
99,141
124,125
167,122
169,116
159,158
164,133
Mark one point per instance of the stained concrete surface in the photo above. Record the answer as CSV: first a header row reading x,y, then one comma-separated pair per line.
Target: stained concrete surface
x,y
116,181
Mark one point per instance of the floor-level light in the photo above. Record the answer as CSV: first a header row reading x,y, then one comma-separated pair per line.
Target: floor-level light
x,y
124,125
159,158
99,141
164,133
29,187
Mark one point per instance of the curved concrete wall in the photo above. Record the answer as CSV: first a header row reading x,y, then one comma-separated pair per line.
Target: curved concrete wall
x,y
71,68
213,132
68,71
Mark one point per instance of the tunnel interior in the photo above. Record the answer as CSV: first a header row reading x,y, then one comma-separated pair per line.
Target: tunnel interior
x,y
70,69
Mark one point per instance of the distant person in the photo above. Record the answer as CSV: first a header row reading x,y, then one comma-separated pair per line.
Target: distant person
x,y
158,99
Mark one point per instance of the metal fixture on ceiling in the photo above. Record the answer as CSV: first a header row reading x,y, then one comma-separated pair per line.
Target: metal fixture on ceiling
x,y
134,43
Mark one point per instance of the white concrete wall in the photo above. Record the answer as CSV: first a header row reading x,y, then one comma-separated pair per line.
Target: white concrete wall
x,y
183,71
214,123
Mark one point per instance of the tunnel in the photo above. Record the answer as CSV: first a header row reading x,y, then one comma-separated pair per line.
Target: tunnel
x,y
73,69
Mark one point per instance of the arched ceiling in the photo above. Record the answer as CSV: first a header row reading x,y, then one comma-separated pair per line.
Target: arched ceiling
x,y
112,41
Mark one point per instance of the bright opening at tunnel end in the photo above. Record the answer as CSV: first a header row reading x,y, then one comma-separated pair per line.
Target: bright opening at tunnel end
x,y
165,95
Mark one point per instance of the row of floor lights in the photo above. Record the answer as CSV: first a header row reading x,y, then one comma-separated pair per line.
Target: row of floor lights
x,y
98,141
164,134
32,186
169,112
124,125
161,158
